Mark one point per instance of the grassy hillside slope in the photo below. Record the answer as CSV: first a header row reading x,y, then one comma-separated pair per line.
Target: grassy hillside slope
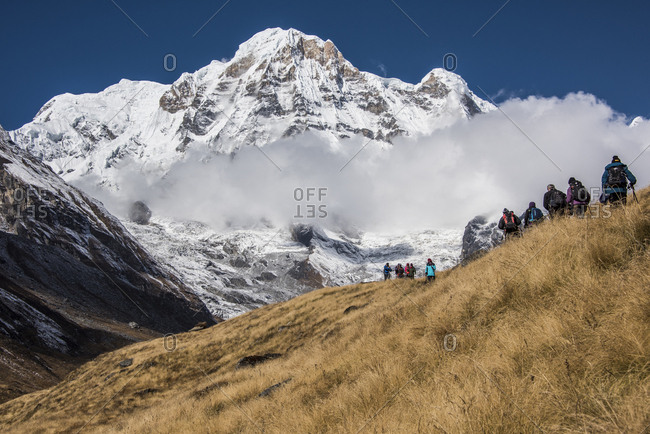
x,y
550,332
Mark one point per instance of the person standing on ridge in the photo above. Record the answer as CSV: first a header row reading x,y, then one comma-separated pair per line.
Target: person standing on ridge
x,y
614,181
387,271
411,271
430,271
532,216
509,223
399,271
577,198
554,201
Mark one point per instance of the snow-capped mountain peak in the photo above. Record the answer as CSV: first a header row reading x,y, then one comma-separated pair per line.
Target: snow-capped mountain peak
x,y
280,83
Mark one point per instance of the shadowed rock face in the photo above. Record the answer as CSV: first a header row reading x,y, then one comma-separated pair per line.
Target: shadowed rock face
x,y
470,106
302,234
305,273
72,278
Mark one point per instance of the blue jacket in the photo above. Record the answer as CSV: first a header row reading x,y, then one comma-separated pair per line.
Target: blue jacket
x,y
628,174
387,269
431,270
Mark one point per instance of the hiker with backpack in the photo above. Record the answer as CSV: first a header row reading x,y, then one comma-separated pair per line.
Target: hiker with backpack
x,y
430,271
411,272
532,216
615,181
554,201
387,271
509,223
577,197
399,271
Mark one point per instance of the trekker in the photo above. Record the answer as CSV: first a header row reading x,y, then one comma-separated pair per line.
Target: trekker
x,y
411,271
509,223
399,271
407,270
430,271
387,271
614,181
577,197
554,201
532,216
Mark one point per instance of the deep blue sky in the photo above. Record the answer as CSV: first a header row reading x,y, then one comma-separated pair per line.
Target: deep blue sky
x,y
538,47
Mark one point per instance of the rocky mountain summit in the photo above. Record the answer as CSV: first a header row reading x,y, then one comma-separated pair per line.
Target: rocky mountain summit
x,y
280,83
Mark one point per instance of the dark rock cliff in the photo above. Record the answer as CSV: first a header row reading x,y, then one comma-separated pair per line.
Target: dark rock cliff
x,y
72,278
479,237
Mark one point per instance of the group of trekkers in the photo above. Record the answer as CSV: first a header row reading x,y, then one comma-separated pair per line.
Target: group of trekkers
x,y
614,183
616,180
409,271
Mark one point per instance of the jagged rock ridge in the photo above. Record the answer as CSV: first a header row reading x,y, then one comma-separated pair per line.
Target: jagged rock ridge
x,y
280,83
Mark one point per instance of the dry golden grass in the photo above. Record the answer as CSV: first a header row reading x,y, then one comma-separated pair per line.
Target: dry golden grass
x,y
550,332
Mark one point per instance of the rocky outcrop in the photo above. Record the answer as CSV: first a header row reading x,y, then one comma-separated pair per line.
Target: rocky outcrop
x,y
314,236
302,233
306,274
479,237
139,213
180,96
72,278
250,361
434,86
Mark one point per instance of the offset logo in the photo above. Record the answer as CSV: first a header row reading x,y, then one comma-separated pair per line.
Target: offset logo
x,y
20,200
450,62
449,342
310,202
169,342
169,62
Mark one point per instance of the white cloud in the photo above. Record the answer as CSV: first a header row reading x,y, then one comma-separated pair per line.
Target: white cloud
x,y
383,69
442,180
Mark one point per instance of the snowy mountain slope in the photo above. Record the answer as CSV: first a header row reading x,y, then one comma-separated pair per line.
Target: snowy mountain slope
x,y
280,83
72,278
39,206
243,269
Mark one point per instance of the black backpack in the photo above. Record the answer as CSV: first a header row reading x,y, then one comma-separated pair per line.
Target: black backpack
x,y
616,176
556,200
511,225
580,193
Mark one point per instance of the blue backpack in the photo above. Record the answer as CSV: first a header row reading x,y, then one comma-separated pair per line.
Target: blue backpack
x,y
535,215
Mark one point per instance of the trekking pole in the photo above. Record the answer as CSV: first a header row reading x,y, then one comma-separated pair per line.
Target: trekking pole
x,y
634,193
